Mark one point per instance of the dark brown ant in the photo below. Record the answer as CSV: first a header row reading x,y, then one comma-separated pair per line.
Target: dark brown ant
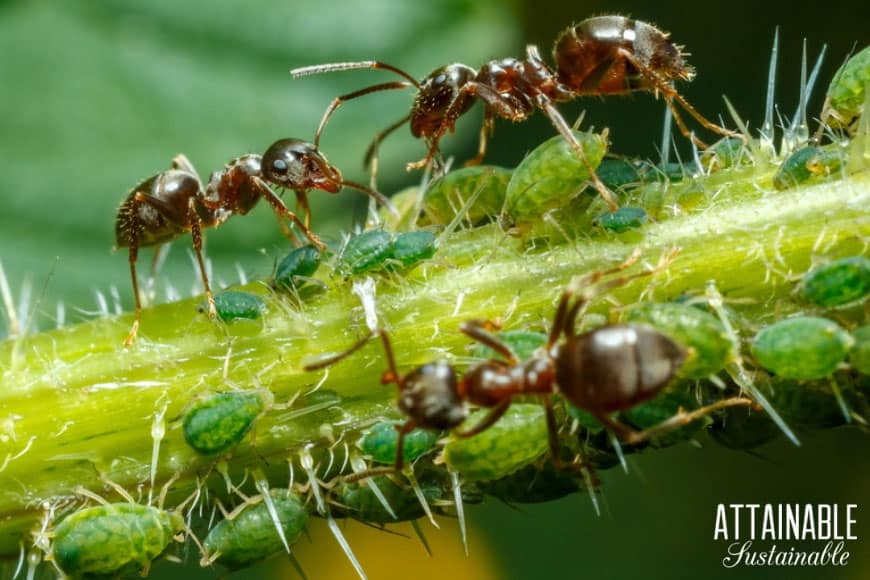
x,y
166,205
604,55
603,371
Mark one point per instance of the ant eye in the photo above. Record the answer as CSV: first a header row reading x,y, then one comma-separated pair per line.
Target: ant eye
x,y
279,165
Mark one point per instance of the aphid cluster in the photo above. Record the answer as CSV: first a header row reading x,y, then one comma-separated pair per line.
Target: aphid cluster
x,y
539,413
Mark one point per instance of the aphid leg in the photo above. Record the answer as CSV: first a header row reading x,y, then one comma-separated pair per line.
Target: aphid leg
x,y
491,419
339,101
196,233
281,210
671,93
680,419
480,330
562,127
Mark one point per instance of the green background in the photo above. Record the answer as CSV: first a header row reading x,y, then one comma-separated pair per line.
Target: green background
x,y
95,96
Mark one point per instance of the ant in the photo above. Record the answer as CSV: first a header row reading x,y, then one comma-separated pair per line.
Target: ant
x,y
166,205
604,55
609,369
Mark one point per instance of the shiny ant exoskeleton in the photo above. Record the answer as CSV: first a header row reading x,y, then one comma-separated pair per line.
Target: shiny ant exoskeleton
x,y
166,205
604,55
603,371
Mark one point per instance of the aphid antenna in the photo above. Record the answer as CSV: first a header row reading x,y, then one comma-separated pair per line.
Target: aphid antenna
x,y
358,465
737,371
767,134
418,531
418,491
460,508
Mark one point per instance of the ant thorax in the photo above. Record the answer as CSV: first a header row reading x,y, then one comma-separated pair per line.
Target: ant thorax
x,y
228,191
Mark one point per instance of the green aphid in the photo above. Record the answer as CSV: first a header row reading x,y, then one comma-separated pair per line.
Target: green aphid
x,y
847,92
298,265
859,356
805,164
365,252
551,175
838,282
380,442
702,334
804,347
624,173
221,421
523,342
516,440
409,248
662,408
725,153
672,171
233,305
448,194
534,484
743,428
623,219
251,536
117,539
360,503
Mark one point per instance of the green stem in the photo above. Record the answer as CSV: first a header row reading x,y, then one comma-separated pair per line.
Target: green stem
x,y
76,406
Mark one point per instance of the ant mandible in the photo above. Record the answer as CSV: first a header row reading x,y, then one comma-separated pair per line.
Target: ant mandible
x,y
609,369
166,205
604,55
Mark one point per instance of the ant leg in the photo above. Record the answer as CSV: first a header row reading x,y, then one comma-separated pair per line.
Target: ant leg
x,y
563,129
370,160
680,419
196,233
671,93
491,419
564,315
485,130
302,201
480,330
553,441
329,361
339,101
397,467
280,209
682,126
587,288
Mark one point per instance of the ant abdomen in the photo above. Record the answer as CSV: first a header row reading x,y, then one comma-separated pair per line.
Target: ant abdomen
x,y
615,367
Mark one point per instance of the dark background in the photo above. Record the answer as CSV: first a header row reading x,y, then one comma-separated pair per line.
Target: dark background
x,y
95,96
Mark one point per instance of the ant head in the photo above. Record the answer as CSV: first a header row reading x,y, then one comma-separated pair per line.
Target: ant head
x,y
299,165
437,92
429,396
